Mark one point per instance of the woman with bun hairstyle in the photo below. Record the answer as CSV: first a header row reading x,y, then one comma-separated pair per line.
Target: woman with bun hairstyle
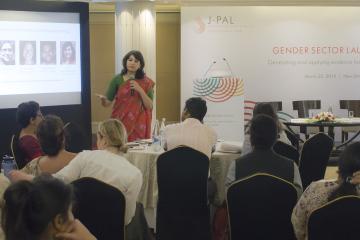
x,y
41,210
51,135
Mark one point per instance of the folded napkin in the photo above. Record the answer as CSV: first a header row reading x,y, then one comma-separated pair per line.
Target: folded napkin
x,y
230,147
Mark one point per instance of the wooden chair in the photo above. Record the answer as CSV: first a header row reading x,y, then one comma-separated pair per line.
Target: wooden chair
x,y
314,157
337,219
182,210
260,207
291,134
303,108
100,207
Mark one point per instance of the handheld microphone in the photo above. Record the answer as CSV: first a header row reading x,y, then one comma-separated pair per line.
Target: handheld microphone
x,y
227,63
132,91
212,64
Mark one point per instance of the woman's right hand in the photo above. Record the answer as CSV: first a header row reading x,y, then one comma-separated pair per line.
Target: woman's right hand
x,y
77,232
16,175
104,101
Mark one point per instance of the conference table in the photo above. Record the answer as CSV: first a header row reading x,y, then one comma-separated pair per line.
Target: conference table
x,y
145,159
338,122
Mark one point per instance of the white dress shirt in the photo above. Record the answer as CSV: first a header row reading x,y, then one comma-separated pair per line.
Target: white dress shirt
x,y
110,168
191,133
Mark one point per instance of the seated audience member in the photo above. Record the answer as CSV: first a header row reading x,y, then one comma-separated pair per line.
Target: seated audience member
x,y
4,183
320,192
28,116
263,135
106,164
40,210
191,131
267,109
50,134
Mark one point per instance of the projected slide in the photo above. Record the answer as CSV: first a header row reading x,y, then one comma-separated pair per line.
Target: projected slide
x,y
39,58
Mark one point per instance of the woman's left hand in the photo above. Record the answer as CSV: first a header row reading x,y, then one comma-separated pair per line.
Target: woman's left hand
x,y
134,85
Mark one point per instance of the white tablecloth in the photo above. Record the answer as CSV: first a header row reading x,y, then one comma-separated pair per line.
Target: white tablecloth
x,y
145,160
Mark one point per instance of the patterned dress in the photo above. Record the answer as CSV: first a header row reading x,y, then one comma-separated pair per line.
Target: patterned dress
x,y
314,196
33,167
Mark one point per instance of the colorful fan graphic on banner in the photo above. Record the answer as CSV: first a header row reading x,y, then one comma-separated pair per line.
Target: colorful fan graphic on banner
x,y
218,89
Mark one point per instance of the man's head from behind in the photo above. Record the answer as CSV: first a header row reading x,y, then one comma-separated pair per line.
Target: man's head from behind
x,y
195,107
263,132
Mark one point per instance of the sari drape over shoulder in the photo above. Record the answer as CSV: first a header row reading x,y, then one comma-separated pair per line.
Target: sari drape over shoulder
x,y
130,110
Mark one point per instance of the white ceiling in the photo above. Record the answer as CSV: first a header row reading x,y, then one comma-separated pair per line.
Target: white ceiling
x,y
237,2
175,5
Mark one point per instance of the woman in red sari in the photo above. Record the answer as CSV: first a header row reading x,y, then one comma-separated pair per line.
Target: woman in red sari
x,y
131,93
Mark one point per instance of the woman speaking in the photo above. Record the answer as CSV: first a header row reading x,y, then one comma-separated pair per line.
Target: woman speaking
x,y
131,93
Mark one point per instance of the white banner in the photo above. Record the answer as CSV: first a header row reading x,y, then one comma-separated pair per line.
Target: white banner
x,y
279,54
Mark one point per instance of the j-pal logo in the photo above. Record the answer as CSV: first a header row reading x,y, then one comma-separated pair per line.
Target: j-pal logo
x,y
220,20
210,21
218,89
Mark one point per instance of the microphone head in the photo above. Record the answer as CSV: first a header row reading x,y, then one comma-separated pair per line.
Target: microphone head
x,y
214,62
224,59
131,77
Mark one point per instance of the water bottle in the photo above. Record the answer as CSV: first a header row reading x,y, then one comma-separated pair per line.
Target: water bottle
x,y
8,164
330,109
162,133
155,137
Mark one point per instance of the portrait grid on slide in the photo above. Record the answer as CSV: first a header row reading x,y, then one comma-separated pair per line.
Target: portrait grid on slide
x,y
68,52
27,53
48,52
7,52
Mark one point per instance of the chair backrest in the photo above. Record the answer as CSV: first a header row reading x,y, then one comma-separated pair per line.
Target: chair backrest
x,y
100,207
260,207
74,136
287,150
304,106
182,210
351,105
337,219
293,138
314,157
16,152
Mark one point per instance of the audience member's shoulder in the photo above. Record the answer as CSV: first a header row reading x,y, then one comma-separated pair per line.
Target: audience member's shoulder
x,y
322,184
88,154
285,159
244,157
209,129
28,138
172,126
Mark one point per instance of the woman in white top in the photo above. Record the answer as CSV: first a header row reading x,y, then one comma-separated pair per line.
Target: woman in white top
x,y
107,164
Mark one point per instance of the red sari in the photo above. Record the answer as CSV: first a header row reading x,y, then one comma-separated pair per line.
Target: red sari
x,y
130,110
